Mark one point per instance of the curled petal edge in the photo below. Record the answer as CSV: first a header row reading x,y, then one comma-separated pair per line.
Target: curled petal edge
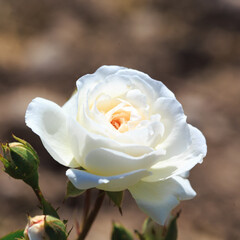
x,y
84,180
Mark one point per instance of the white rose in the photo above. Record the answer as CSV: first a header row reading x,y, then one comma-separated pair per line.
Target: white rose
x,y
127,131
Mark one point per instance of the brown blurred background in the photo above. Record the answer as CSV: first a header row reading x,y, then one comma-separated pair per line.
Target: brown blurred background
x,y
193,46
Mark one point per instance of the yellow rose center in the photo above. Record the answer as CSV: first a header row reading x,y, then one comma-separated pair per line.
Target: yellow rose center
x,y
119,120
119,113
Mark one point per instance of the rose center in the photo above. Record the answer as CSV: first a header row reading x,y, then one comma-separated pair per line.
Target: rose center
x,y
119,113
119,120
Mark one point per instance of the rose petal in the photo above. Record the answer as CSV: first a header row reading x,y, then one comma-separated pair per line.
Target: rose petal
x,y
157,199
107,70
183,162
83,142
71,106
110,162
35,232
88,83
84,180
113,86
132,85
176,137
137,99
146,84
184,174
147,133
87,98
49,122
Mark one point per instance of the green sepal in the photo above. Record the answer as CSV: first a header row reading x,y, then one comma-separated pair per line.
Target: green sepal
x,y
48,209
55,229
14,235
140,235
120,233
172,231
72,191
116,197
28,146
152,231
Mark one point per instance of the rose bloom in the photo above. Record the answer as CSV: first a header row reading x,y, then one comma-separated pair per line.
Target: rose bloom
x,y
126,131
35,228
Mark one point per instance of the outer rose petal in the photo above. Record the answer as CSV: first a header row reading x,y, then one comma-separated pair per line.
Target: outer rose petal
x,y
71,106
105,71
145,82
183,162
84,180
153,89
48,120
109,162
176,137
33,233
159,198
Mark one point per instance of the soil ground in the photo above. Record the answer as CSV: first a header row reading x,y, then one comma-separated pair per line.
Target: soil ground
x,y
191,46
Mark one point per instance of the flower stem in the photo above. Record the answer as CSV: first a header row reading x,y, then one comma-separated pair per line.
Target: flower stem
x,y
87,203
46,206
92,216
38,193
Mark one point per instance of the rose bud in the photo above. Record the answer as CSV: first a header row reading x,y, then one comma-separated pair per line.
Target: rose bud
x,y
45,227
21,161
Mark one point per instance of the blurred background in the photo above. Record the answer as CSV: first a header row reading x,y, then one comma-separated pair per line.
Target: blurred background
x,y
193,46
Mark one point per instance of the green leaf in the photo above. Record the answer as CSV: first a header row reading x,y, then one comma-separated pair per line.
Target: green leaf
x,y
116,197
172,228
72,191
120,233
14,235
152,231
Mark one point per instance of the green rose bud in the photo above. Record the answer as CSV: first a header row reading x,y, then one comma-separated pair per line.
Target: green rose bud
x,y
21,161
45,227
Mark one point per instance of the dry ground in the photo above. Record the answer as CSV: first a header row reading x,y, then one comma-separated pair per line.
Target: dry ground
x,y
192,46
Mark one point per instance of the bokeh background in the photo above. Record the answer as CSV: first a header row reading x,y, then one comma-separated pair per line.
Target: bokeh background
x,y
193,46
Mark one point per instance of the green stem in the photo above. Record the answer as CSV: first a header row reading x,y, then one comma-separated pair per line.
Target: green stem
x,y
46,206
92,216
39,194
